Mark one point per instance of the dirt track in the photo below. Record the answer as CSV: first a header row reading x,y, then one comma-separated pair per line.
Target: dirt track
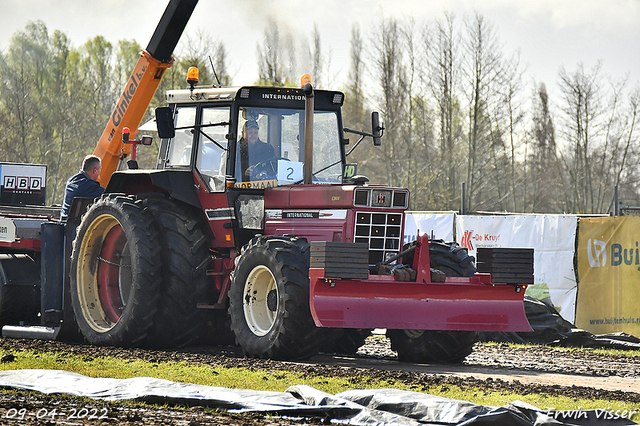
x,y
577,374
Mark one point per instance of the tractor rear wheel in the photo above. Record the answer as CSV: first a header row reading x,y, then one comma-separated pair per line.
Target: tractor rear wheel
x,y
115,273
428,346
269,299
185,259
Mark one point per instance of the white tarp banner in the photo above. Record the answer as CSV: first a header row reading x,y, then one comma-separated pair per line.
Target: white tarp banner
x,y
425,222
551,236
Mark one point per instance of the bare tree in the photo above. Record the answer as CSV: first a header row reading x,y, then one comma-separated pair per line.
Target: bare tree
x,y
547,173
317,58
270,56
413,156
443,64
511,94
630,140
220,63
582,112
483,73
543,129
354,111
281,58
390,72
200,50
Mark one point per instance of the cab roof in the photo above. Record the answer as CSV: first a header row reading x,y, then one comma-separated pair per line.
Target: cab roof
x,y
255,95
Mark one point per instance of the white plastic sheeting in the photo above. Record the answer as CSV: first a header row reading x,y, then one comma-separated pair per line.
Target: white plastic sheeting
x,y
161,391
356,407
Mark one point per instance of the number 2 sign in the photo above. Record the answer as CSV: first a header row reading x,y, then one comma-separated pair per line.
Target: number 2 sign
x,y
289,172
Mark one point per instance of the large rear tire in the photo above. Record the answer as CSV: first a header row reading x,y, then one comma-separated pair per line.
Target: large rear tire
x,y
115,273
429,346
269,299
185,260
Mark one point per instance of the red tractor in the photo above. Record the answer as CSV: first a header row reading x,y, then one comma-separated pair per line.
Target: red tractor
x,y
301,257
253,223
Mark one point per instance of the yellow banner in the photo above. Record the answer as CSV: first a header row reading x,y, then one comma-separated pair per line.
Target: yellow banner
x,y
609,275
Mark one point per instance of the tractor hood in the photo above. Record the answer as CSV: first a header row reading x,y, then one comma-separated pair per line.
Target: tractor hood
x,y
335,196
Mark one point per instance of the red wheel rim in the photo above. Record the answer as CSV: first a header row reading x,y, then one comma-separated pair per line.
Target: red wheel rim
x,y
109,273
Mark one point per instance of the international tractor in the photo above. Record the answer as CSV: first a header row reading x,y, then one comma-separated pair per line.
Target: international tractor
x,y
253,228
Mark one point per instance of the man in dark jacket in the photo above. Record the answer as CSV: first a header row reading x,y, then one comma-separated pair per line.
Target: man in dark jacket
x,y
83,184
252,151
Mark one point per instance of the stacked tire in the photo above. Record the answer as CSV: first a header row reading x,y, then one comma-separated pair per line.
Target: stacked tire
x,y
432,346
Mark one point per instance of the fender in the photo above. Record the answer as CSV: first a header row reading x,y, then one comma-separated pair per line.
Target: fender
x,y
178,184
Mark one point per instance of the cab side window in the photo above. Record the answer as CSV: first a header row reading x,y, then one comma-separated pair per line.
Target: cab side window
x,y
211,160
180,145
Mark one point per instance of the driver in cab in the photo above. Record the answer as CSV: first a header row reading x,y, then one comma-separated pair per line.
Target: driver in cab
x,y
254,153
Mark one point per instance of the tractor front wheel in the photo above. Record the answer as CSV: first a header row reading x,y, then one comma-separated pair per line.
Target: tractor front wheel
x,y
269,299
428,346
348,341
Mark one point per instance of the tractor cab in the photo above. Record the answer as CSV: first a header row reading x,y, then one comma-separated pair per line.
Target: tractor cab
x,y
251,137
244,149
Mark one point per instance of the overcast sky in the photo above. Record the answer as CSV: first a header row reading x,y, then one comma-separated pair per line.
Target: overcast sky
x,y
548,33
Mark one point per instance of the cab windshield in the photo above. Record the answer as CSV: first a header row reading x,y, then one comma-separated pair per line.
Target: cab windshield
x,y
270,147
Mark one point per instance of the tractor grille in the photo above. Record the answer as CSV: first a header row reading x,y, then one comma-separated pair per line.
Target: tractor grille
x,y
381,232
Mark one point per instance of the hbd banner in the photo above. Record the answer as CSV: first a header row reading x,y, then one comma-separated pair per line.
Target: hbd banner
x,y
22,184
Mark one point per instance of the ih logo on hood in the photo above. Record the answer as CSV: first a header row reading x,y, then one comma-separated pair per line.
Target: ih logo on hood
x,y
596,253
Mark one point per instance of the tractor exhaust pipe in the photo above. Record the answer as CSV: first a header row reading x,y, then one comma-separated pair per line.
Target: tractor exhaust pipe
x,y
308,131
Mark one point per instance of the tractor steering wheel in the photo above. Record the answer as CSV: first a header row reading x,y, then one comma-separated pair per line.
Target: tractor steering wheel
x,y
266,170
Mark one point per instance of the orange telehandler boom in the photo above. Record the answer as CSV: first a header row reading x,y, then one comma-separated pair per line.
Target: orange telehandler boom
x,y
141,86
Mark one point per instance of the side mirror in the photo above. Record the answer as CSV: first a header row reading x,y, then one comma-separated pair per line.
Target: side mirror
x,y
146,140
164,121
376,129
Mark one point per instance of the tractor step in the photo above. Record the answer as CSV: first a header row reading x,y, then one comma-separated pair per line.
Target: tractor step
x,y
30,332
